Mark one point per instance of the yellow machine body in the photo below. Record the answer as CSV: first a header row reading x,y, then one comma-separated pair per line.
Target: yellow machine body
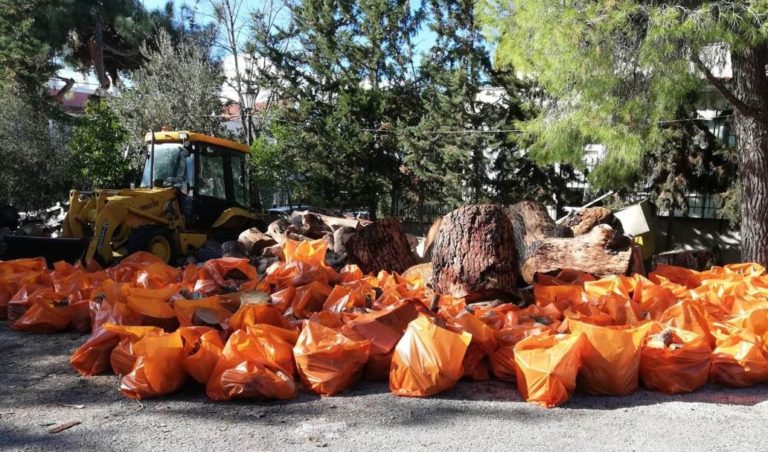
x,y
110,218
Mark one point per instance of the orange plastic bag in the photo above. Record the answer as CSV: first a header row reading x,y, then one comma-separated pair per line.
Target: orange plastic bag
x,y
309,299
754,321
652,300
16,274
51,312
310,252
676,275
687,315
230,272
384,329
482,345
347,298
611,357
123,356
256,363
254,314
127,269
158,370
562,296
20,302
674,361
202,350
93,357
157,275
547,366
739,360
329,359
428,359
502,360
186,310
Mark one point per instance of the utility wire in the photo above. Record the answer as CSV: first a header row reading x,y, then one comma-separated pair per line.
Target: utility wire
x,y
446,131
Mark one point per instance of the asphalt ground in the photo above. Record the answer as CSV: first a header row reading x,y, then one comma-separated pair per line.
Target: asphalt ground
x,y
38,390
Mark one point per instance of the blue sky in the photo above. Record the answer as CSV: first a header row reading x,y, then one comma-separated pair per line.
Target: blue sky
x,y
423,40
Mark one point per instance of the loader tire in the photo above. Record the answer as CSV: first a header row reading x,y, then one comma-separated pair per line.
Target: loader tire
x,y
156,240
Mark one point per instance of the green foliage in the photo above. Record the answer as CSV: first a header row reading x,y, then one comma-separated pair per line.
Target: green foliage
x,y
690,159
36,166
342,98
24,58
97,144
613,71
177,87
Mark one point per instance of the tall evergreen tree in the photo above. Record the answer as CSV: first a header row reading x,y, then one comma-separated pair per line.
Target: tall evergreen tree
x,y
616,69
465,148
341,71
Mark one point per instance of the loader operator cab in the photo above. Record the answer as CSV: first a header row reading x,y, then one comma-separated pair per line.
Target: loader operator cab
x,y
209,172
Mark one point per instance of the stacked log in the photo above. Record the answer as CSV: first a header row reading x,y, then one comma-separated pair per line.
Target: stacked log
x,y
474,254
381,245
482,251
694,259
584,220
602,251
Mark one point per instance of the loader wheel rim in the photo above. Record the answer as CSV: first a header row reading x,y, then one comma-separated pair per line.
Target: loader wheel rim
x,y
160,247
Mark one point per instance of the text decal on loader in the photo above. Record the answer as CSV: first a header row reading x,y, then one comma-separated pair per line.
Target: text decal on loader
x,y
102,235
149,205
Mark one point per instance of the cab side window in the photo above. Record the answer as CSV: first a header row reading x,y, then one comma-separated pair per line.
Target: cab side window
x,y
212,177
239,186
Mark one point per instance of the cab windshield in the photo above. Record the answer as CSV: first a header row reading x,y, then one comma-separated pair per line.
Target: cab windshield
x,y
171,167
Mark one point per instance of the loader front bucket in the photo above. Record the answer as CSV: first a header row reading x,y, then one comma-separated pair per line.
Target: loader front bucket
x,y
52,249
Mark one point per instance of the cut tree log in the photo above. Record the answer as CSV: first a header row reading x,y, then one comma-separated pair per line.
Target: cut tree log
x,y
474,254
531,223
584,220
308,224
255,241
381,245
694,259
603,251
429,240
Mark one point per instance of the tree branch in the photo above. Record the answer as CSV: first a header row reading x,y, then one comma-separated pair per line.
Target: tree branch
x,y
69,83
737,103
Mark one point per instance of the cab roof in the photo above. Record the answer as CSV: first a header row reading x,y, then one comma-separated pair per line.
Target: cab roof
x,y
173,137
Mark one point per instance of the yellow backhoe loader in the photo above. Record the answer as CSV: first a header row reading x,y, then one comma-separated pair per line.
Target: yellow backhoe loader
x,y
193,187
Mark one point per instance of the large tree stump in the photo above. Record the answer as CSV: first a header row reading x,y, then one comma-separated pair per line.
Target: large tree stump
x,y
694,259
429,240
603,251
531,223
584,220
381,245
474,253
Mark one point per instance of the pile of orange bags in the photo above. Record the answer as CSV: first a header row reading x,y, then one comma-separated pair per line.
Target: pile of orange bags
x,y
241,334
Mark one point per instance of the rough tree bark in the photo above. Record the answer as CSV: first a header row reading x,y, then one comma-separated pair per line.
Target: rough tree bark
x,y
531,223
694,259
602,251
584,220
474,254
751,128
381,245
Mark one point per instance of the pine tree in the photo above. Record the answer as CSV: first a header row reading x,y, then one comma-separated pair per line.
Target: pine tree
x,y
615,70
465,148
340,69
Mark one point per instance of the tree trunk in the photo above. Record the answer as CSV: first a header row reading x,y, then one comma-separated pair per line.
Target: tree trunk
x,y
474,254
751,130
381,245
531,223
694,259
584,220
601,252
96,49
